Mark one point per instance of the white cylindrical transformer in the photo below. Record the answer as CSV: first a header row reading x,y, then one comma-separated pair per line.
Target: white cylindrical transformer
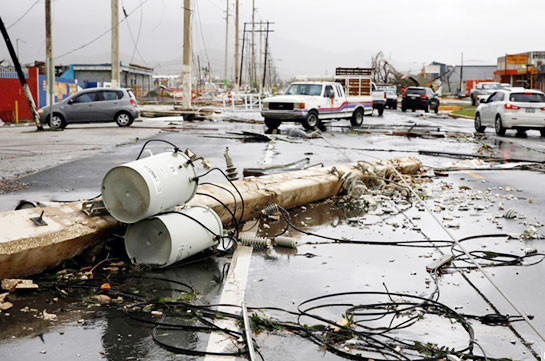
x,y
169,238
140,189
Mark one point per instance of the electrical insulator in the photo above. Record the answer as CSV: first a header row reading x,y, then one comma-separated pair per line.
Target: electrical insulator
x,y
254,241
288,242
232,172
270,209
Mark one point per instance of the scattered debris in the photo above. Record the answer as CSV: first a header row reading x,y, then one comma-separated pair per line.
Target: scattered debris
x,y
102,299
18,284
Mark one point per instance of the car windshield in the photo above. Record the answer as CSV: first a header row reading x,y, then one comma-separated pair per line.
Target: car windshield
x,y
304,89
527,97
415,91
491,86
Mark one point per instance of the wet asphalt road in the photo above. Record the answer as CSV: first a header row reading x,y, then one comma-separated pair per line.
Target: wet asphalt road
x,y
285,279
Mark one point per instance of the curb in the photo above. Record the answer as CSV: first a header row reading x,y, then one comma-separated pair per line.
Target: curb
x,y
455,116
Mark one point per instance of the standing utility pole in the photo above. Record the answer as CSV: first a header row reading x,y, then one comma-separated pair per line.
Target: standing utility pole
x,y
237,78
186,67
266,50
242,55
21,76
461,72
49,58
116,83
226,60
252,62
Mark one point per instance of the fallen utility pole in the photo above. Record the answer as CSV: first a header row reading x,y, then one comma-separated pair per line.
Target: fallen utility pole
x,y
26,248
21,75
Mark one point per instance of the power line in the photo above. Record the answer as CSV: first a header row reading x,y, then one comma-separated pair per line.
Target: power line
x,y
101,35
24,14
135,42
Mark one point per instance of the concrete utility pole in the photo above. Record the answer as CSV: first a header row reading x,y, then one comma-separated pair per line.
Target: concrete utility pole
x,y
236,47
49,58
21,75
226,60
116,73
186,67
265,56
252,62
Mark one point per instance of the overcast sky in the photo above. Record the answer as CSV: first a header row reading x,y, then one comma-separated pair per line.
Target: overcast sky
x,y
311,36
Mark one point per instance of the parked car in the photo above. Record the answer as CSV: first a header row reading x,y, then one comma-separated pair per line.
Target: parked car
x,y
419,98
93,105
482,91
512,109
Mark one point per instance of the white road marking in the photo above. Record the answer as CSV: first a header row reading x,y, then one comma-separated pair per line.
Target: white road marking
x,y
234,288
233,293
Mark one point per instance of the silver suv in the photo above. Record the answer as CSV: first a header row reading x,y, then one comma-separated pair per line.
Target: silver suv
x,y
93,105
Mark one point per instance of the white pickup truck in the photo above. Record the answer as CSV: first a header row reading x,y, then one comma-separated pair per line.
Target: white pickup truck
x,y
313,102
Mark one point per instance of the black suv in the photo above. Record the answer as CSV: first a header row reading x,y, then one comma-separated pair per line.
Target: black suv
x,y
419,98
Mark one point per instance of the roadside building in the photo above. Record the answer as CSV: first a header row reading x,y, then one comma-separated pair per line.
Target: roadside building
x,y
448,76
523,70
93,75
14,107
470,74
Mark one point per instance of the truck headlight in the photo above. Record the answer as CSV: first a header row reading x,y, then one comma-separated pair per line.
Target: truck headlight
x,y
299,106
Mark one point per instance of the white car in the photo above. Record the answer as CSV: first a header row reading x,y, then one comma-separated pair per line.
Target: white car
x,y
512,109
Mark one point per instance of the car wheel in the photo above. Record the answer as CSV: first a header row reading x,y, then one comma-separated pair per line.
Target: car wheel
x,y
436,108
312,121
414,110
123,119
381,110
272,123
478,124
403,109
395,106
57,121
357,118
427,108
500,130
542,131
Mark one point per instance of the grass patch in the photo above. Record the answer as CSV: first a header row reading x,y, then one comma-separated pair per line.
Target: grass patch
x,y
467,111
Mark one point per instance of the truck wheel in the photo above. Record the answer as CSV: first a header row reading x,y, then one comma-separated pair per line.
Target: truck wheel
x,y
381,110
312,121
542,131
357,118
500,130
272,123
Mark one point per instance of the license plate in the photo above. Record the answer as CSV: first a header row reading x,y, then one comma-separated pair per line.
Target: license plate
x,y
413,97
530,110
